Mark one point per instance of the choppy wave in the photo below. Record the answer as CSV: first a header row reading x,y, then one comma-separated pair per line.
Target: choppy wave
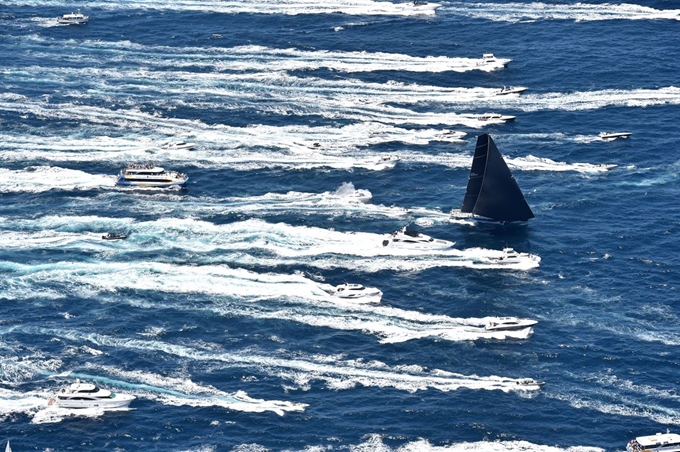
x,y
302,370
241,58
258,242
165,390
535,11
290,7
376,443
236,292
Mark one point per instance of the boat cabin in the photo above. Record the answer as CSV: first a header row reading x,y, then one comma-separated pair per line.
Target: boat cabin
x,y
666,442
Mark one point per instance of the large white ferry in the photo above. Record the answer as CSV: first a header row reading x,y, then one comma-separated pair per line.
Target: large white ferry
x,y
150,176
87,395
661,442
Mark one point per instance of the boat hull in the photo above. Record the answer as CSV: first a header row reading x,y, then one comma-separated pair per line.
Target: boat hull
x,y
425,246
520,325
486,223
614,135
117,402
152,184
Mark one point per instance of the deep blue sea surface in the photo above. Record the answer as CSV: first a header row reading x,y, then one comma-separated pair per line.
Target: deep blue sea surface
x,y
216,312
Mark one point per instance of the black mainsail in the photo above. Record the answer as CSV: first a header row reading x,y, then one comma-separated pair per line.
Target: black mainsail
x,y
492,192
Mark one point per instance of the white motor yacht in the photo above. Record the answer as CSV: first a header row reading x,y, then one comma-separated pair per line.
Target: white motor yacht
x,y
510,256
510,90
509,324
495,117
150,176
410,239
87,395
73,19
614,135
490,58
358,292
661,442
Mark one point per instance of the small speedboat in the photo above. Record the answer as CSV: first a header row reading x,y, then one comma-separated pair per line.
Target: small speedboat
x,y
389,161
529,382
87,395
150,176
450,135
114,236
661,442
73,19
361,195
510,90
495,117
358,292
614,135
509,324
177,145
410,239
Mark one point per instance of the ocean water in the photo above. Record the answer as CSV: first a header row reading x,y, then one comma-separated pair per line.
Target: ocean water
x,y
215,311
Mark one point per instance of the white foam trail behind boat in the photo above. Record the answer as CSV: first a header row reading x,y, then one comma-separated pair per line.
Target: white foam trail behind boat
x,y
536,11
44,178
242,293
251,58
256,241
301,370
375,443
289,7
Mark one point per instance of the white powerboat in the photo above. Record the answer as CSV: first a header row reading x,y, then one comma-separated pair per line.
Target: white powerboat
x,y
490,58
614,135
410,239
450,135
150,176
178,145
114,236
361,195
509,324
73,19
510,90
529,382
388,162
87,395
495,117
661,442
358,292
510,256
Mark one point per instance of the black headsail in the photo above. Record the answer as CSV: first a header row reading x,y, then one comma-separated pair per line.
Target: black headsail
x,y
492,192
